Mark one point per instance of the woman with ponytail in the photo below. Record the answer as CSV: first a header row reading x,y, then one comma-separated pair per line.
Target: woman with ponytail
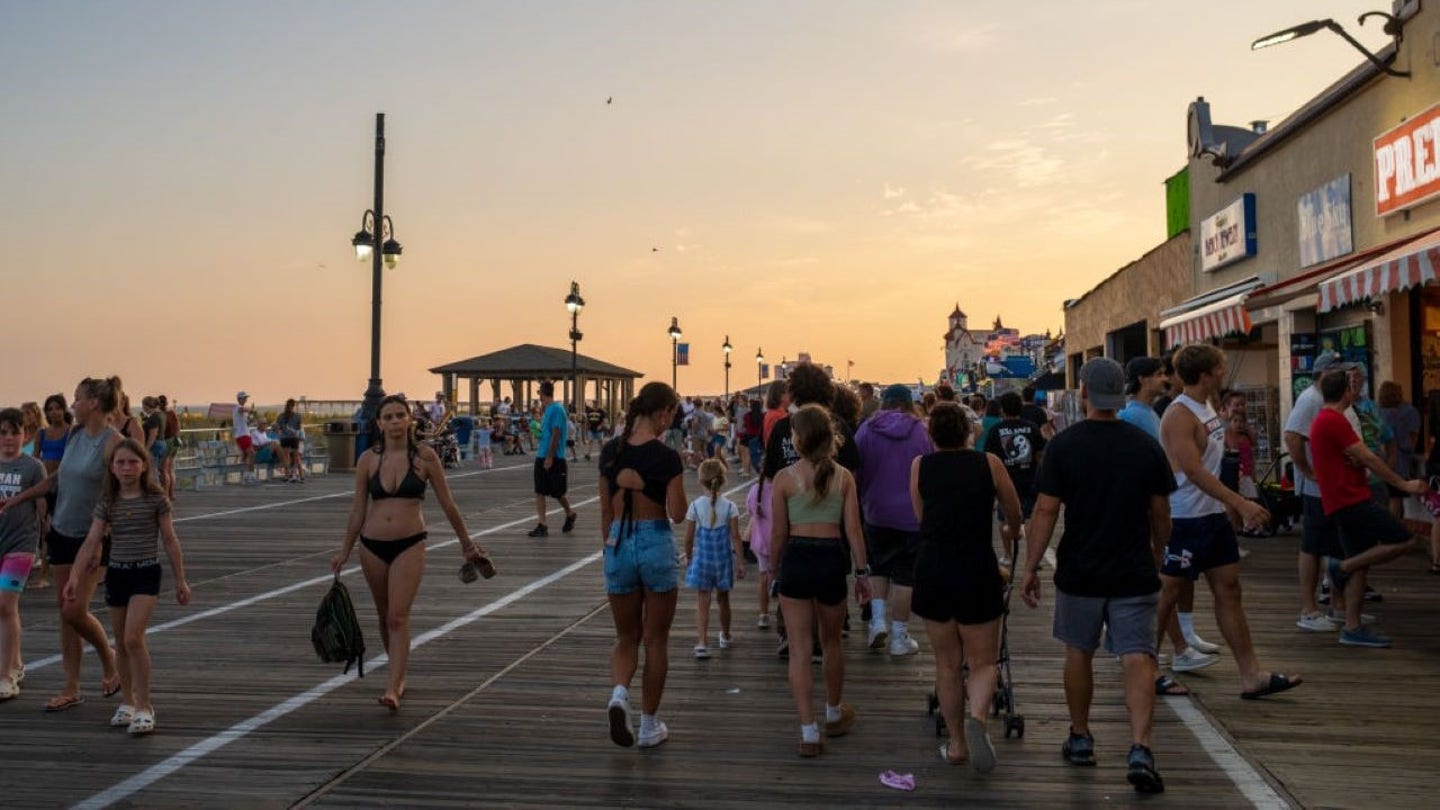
x,y
642,491
816,515
712,542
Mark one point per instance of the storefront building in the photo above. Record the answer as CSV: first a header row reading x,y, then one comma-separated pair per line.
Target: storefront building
x,y
1322,233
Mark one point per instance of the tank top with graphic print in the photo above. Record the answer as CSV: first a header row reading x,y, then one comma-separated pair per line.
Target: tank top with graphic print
x,y
1188,500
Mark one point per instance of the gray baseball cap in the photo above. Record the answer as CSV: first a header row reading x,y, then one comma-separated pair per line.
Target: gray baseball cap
x,y
1104,382
1331,361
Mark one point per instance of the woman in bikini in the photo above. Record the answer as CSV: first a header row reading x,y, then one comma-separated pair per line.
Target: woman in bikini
x,y
385,517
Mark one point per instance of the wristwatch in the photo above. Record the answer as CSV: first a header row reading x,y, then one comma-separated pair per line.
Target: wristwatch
x,y
862,571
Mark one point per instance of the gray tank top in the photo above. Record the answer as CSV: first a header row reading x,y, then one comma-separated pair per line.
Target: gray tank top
x,y
79,479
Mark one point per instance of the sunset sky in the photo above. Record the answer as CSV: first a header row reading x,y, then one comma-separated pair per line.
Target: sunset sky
x,y
181,179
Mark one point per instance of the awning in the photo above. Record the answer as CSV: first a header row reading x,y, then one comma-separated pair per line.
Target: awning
x,y
1410,265
1214,314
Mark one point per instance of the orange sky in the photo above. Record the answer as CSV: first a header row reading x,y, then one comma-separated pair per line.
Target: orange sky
x,y
818,176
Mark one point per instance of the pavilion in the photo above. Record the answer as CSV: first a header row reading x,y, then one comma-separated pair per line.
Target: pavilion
x,y
523,365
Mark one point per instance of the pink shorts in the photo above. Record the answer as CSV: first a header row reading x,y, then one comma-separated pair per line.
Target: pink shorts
x,y
14,570
244,443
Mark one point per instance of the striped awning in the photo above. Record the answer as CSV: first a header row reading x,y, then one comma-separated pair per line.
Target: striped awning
x,y
1211,315
1409,265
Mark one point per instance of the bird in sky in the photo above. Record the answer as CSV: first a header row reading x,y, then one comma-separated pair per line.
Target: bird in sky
x,y
610,99
654,250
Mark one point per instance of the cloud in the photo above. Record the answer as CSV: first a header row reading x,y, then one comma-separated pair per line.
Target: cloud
x,y
1026,163
891,192
962,39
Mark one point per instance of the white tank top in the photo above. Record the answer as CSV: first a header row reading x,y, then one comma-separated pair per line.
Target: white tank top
x,y
1188,500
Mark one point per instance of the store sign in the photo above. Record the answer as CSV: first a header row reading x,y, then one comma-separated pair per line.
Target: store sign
x,y
1325,222
1407,170
1228,235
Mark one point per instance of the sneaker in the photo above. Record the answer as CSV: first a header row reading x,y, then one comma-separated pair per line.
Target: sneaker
x,y
903,645
540,530
1161,659
982,751
702,652
1317,622
622,728
817,654
1079,749
1140,771
1338,617
569,523
839,728
877,636
1372,595
724,641
1363,637
1197,643
763,622
654,736
1191,660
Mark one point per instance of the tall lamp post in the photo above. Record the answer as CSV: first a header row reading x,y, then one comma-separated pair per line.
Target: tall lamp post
x,y
575,303
674,332
760,371
727,348
376,231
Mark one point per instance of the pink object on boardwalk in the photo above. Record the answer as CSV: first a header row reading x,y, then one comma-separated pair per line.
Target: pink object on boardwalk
x,y
899,781
759,525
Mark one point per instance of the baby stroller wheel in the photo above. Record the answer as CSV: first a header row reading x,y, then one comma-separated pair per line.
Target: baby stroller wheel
x,y
1015,725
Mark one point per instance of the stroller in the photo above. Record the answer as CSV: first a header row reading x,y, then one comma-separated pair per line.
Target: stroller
x,y
1003,703
445,445
1278,496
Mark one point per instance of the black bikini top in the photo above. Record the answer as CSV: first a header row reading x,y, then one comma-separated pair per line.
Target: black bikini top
x,y
411,486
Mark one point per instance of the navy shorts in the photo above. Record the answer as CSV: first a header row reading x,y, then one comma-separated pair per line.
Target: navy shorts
x,y
1200,544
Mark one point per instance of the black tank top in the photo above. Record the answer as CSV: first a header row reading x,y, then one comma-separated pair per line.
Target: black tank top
x,y
958,497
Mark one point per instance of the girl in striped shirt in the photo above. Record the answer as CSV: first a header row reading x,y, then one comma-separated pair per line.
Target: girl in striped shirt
x,y
134,509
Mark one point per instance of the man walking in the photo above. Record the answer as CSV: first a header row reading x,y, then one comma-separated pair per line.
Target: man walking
x,y
1369,534
240,432
1114,482
551,476
1202,539
888,443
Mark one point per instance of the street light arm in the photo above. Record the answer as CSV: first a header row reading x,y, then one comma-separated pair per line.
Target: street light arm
x,y
1374,60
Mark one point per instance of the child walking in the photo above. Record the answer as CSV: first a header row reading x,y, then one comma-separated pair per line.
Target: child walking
x,y
712,542
135,510
19,536
483,441
760,546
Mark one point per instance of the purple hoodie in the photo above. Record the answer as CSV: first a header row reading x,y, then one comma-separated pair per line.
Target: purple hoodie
x,y
888,442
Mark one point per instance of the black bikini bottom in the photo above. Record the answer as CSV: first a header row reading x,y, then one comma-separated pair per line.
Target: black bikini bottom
x,y
388,550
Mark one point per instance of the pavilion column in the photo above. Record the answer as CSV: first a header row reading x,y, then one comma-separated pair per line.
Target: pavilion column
x,y
516,397
474,396
494,394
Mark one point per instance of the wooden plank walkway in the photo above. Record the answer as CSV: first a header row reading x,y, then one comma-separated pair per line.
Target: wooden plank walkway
x,y
506,709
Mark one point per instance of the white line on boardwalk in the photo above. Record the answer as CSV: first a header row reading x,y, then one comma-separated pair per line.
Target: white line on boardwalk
x,y
160,770
1250,783
291,588
343,494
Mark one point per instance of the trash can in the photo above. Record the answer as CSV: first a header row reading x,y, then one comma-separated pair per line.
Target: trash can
x,y
340,440
464,430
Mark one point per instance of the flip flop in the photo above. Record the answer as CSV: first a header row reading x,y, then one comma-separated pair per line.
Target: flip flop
x,y
945,755
60,703
106,687
1278,683
1166,686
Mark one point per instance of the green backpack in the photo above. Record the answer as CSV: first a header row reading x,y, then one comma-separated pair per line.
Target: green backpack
x,y
336,634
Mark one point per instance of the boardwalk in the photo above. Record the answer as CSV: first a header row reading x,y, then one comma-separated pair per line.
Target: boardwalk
x,y
509,681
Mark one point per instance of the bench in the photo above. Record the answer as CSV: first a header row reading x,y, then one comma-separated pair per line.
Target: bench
x,y
216,462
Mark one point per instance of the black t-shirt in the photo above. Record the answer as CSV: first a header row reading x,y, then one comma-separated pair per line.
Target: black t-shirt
x,y
154,426
594,417
1105,472
1034,414
1161,403
780,452
653,461
1017,443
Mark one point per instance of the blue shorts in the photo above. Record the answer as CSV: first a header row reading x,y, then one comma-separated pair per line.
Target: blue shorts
x,y
644,557
1200,544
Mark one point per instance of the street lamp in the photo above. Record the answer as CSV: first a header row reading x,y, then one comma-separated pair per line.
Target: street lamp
x,y
726,347
1393,26
376,229
674,332
759,369
574,303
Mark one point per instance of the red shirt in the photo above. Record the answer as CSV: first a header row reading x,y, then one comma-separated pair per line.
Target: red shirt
x,y
1342,483
771,417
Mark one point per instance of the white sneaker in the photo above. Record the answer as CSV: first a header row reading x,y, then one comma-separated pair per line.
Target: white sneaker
x,y
659,734
702,652
877,636
724,641
622,729
763,622
1200,644
1316,622
903,645
1191,660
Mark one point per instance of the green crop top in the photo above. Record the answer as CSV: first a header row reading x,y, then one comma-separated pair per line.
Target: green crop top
x,y
803,508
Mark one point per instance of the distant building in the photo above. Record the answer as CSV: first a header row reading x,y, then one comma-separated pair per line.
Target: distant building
x,y
963,348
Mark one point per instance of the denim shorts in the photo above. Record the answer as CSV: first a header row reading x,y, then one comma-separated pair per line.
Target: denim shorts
x,y
643,555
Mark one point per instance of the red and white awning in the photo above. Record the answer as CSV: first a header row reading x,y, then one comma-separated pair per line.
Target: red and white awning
x,y
1211,321
1409,265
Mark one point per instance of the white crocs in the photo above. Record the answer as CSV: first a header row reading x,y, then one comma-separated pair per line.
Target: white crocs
x,y
143,722
122,716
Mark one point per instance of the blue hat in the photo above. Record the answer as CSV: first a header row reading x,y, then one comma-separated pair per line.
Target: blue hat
x,y
899,394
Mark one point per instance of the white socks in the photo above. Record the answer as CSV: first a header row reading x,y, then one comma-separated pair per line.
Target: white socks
x,y
832,713
899,629
647,724
810,733
877,612
621,694
1187,625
